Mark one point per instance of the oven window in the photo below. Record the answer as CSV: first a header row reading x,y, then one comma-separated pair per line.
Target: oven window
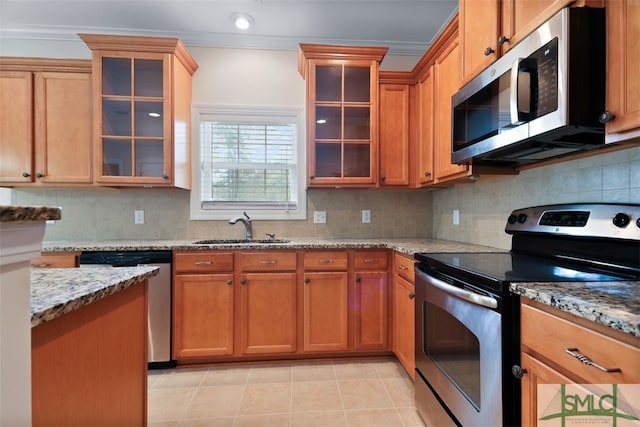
x,y
455,350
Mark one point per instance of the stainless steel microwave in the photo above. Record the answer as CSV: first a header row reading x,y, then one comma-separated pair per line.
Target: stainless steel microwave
x,y
542,99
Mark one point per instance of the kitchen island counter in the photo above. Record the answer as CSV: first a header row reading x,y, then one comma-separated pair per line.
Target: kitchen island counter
x,y
57,291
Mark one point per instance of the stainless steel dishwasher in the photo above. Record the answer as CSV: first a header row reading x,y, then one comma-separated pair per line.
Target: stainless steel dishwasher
x,y
159,313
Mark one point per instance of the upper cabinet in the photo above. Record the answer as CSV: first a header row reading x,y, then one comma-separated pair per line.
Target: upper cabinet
x,y
45,122
142,103
342,114
623,63
488,28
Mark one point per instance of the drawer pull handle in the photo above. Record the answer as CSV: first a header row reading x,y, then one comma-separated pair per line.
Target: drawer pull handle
x,y
326,261
402,267
269,262
587,361
202,263
371,260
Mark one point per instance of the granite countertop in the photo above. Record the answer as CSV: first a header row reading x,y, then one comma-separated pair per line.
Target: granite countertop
x,y
613,304
29,213
56,291
616,305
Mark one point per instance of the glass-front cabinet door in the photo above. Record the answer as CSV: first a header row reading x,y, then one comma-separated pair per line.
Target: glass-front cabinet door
x,y
135,135
142,110
342,116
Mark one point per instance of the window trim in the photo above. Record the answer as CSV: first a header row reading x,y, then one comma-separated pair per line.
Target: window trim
x,y
201,112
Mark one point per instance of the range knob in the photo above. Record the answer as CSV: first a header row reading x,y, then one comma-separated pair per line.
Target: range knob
x,y
522,218
512,219
638,222
621,220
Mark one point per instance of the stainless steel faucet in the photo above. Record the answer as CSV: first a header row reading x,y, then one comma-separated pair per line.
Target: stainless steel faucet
x,y
247,224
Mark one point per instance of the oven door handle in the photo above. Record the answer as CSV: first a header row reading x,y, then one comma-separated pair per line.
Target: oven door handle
x,y
471,297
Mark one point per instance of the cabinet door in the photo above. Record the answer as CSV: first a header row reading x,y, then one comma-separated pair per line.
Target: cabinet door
x,y
16,123
479,33
370,310
134,118
268,313
394,134
536,373
63,143
404,324
447,80
623,62
325,312
203,315
425,129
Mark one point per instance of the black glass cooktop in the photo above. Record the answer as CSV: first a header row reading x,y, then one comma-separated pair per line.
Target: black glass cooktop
x,y
511,267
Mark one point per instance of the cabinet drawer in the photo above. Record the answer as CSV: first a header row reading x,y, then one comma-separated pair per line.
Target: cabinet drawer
x,y
268,261
370,260
319,261
57,260
403,267
550,336
201,261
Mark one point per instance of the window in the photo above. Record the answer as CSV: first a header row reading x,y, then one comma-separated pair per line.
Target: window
x,y
249,160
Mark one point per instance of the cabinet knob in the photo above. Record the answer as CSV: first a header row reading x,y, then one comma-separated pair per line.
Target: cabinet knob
x,y
427,174
358,279
165,176
517,371
502,40
243,282
412,296
26,174
229,282
311,176
382,178
488,51
307,280
39,175
606,116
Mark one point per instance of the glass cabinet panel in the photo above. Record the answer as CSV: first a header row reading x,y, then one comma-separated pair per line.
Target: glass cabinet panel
x,y
133,117
328,122
329,83
357,160
357,84
329,160
357,123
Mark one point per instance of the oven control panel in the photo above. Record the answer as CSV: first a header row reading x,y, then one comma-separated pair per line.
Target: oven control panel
x,y
607,220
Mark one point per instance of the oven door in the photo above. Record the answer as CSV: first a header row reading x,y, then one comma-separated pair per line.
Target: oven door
x,y
458,352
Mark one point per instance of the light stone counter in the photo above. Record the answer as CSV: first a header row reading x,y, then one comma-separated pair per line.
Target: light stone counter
x,y
56,291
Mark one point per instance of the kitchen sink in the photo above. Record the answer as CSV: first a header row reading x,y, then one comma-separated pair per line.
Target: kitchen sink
x,y
238,241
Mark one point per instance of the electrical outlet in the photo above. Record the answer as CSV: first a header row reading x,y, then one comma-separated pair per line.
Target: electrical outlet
x,y
138,217
456,217
366,216
320,217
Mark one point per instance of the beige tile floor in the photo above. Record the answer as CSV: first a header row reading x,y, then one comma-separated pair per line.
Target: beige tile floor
x,y
371,392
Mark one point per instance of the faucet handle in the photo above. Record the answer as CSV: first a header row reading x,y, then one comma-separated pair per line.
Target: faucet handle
x,y
271,235
247,216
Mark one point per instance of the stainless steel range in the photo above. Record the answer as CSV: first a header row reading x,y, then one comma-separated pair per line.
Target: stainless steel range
x,y
467,321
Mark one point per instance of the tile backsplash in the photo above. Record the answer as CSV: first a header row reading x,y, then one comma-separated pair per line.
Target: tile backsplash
x,y
106,214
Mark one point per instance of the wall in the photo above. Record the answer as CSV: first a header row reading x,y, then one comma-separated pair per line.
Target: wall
x,y
485,206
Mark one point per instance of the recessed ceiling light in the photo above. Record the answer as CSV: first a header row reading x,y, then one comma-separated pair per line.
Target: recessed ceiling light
x,y
241,20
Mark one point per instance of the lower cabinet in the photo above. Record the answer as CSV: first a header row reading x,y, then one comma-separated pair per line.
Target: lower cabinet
x,y
404,312
244,305
370,301
548,337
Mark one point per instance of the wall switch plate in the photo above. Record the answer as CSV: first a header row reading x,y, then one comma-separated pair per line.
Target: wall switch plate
x,y
456,217
138,217
320,217
366,216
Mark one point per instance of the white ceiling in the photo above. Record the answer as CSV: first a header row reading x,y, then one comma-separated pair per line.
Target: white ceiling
x,y
404,26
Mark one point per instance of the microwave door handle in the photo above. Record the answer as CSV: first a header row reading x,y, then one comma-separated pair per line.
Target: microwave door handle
x,y
513,93
462,293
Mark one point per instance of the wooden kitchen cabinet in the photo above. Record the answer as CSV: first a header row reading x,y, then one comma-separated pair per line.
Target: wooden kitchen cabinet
x,y
404,312
370,301
395,88
342,114
424,129
203,305
488,28
325,302
623,63
267,311
45,121
547,333
142,104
